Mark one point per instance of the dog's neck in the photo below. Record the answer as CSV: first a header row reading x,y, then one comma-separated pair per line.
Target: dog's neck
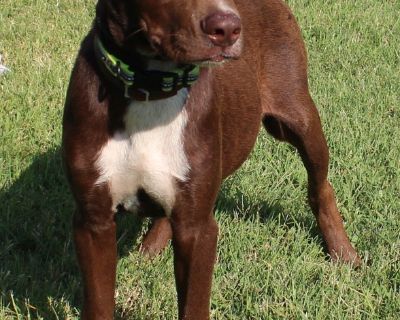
x,y
139,77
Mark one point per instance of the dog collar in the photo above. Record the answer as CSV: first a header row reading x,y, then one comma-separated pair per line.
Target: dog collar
x,y
144,84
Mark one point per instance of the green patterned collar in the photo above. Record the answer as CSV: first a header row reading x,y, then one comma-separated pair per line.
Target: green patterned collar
x,y
150,83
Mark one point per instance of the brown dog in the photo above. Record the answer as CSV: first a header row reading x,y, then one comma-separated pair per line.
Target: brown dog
x,y
150,125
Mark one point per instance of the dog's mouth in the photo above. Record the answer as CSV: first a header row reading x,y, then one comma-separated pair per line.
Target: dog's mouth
x,y
215,60
200,55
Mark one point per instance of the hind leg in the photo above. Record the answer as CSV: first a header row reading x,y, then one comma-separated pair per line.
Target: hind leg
x,y
298,123
156,239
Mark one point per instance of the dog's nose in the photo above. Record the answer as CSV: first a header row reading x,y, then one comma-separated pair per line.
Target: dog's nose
x,y
223,29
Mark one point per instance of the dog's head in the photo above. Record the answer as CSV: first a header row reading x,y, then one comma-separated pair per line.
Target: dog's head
x,y
182,31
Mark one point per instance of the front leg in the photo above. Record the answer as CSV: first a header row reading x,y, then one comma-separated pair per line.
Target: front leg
x,y
96,248
194,241
194,236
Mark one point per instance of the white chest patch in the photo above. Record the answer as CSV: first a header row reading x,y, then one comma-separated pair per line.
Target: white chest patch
x,y
148,154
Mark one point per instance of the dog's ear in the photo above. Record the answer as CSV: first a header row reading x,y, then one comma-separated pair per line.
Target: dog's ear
x,y
116,17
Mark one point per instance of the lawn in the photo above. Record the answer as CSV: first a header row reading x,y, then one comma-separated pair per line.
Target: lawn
x,y
271,263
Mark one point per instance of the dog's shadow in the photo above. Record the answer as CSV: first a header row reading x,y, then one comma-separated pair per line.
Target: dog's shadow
x,y
37,269
39,275
236,204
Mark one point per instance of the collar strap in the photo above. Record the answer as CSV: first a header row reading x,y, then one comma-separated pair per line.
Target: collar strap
x,y
145,84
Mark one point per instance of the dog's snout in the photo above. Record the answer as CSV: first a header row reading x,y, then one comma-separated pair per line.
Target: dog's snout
x,y
223,29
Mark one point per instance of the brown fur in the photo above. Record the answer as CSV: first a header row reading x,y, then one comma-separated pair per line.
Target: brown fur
x,y
267,83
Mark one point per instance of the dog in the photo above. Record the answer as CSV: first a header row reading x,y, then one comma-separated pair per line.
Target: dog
x,y
165,100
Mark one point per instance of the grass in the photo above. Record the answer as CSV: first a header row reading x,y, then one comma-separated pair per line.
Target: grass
x,y
271,264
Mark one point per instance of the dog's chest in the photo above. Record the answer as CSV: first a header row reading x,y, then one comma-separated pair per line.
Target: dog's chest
x,y
148,155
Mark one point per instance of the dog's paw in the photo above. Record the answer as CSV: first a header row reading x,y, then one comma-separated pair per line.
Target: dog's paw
x,y
346,255
156,239
153,249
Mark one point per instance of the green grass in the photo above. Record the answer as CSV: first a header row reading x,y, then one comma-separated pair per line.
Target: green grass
x,y
271,264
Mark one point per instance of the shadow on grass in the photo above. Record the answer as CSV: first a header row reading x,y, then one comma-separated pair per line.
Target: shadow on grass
x,y
38,271
234,202
239,206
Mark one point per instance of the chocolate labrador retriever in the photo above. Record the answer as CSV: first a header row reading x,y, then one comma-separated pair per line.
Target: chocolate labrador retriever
x,y
165,101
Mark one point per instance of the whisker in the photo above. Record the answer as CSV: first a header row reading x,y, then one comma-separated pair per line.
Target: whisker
x,y
135,32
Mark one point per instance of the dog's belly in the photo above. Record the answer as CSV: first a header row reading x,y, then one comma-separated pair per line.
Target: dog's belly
x,y
148,155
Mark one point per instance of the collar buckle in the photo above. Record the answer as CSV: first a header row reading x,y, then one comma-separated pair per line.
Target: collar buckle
x,y
146,94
